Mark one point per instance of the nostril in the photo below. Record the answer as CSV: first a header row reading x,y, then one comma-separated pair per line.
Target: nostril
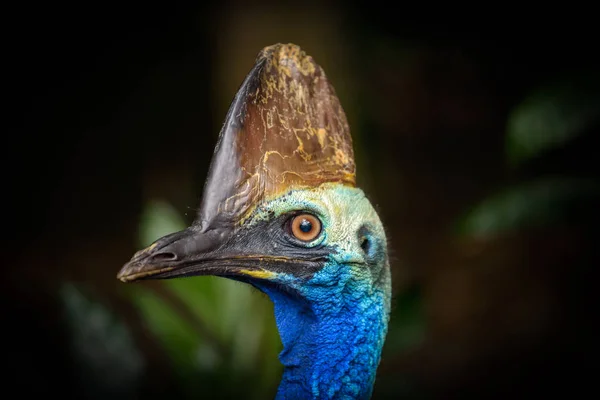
x,y
161,257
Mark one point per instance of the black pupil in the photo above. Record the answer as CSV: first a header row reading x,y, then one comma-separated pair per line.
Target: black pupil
x,y
305,226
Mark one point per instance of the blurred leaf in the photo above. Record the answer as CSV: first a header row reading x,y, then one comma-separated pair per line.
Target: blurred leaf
x,y
199,294
230,326
407,322
104,350
178,337
552,116
159,219
529,205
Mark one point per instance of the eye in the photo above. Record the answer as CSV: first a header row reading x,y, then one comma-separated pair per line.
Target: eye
x,y
305,227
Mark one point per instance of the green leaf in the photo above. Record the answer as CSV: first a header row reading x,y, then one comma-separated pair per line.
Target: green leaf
x,y
552,116
238,336
529,205
177,336
158,219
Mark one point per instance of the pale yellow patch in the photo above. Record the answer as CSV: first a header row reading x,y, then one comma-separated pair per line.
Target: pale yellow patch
x,y
321,134
260,274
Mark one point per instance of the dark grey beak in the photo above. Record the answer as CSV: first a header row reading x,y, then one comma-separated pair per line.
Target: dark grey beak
x,y
172,256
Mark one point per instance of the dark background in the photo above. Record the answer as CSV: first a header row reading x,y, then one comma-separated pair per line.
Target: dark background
x,y
474,135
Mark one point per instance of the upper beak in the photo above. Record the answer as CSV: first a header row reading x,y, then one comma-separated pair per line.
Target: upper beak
x,y
163,256
192,252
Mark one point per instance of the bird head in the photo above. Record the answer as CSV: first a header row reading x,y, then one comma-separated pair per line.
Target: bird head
x,y
280,209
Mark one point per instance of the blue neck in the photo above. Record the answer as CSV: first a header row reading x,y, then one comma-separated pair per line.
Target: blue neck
x,y
332,336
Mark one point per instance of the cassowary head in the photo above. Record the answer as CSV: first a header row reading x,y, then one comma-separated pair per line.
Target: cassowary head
x,y
281,212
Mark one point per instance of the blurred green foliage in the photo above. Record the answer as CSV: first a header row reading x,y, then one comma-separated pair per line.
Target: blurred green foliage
x,y
548,119
219,335
528,205
208,325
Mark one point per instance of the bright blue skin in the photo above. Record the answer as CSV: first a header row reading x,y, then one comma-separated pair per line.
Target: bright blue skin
x,y
332,337
332,325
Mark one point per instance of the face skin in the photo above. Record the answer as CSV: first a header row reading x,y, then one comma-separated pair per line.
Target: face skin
x,y
351,231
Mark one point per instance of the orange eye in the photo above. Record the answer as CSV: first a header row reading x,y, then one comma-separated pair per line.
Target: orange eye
x,y
306,227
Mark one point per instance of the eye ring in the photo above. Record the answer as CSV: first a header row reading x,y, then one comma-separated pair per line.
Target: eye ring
x,y
305,227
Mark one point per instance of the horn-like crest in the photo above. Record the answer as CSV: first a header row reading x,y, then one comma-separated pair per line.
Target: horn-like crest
x,y
285,129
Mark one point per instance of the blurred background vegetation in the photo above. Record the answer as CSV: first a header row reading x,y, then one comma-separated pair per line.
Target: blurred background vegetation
x,y
475,140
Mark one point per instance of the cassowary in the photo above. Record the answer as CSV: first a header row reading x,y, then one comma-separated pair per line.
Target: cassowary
x,y
281,212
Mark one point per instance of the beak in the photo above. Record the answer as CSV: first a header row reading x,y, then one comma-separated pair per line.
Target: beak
x,y
191,252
